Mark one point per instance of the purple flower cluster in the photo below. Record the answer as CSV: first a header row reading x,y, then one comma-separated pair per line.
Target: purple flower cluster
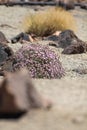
x,y
40,61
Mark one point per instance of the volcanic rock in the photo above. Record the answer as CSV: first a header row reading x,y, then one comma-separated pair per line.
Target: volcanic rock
x,y
5,52
3,38
75,48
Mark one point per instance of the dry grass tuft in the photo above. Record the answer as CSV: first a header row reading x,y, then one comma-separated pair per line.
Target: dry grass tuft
x,y
45,23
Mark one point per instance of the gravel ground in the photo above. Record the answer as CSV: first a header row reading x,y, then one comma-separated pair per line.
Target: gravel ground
x,y
69,94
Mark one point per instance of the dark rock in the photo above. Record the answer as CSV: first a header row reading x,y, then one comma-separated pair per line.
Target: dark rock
x,y
67,38
70,42
53,44
23,38
7,66
20,37
67,4
18,95
75,48
52,38
80,71
84,6
5,52
3,38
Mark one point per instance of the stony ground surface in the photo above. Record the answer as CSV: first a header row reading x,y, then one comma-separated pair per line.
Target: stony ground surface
x,y
69,94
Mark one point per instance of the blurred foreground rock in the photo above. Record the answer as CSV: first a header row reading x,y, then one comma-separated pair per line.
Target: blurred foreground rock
x,y
18,95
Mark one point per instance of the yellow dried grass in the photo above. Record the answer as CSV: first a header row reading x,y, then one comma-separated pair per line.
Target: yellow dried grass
x,y
46,22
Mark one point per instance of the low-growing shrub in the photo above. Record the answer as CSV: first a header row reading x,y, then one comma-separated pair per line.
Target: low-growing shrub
x,y
45,23
40,61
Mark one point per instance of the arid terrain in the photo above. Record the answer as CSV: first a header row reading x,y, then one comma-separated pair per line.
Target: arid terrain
x,y
69,94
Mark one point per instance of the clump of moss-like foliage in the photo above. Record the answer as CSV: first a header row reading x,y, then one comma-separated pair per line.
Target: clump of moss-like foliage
x,y
40,61
44,23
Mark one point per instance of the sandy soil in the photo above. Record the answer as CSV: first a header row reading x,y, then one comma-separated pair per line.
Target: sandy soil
x,y
69,94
